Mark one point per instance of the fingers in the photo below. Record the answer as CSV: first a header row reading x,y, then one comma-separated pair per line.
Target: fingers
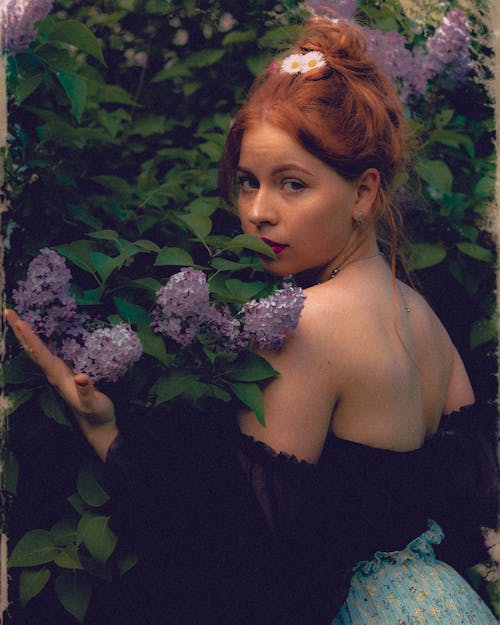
x,y
52,366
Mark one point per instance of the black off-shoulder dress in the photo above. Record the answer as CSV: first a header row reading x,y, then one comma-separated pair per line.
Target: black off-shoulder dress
x,y
232,532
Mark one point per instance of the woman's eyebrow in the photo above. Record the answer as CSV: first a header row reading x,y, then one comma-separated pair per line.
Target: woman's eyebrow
x,y
280,169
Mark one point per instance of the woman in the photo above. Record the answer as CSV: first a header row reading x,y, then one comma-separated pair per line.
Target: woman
x,y
266,524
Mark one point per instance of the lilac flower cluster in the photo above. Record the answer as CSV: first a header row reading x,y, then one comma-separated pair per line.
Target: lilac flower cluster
x,y
45,303
44,300
184,312
104,353
445,53
17,20
448,48
269,320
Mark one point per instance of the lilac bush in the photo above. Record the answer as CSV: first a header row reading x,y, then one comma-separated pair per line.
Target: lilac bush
x,y
44,301
17,22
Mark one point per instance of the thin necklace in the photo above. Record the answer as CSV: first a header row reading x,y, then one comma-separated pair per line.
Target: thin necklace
x,y
355,260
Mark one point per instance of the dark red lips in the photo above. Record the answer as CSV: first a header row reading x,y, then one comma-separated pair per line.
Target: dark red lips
x,y
276,247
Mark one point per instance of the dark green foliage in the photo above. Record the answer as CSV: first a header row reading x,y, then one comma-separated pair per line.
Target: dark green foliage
x,y
116,125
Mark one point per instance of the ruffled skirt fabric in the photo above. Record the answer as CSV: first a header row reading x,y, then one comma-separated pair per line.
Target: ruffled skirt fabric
x,y
412,587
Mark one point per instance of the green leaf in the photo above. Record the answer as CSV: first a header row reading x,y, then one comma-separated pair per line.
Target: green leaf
x,y
19,370
200,225
205,57
99,539
107,235
68,558
437,174
119,186
152,344
132,313
76,89
31,583
103,264
64,532
173,384
78,253
257,63
34,548
476,251
444,117
279,37
173,256
26,86
222,264
53,408
424,255
127,561
251,395
482,331
74,591
148,246
11,402
244,290
9,470
78,35
89,483
250,368
452,138
238,36
90,297
77,503
250,242
149,284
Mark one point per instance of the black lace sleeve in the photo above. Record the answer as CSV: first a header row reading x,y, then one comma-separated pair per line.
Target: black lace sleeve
x,y
464,483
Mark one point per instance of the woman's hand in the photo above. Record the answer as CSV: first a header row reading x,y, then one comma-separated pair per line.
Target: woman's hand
x,y
93,410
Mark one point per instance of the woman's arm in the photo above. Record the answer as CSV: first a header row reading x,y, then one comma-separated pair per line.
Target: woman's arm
x,y
93,411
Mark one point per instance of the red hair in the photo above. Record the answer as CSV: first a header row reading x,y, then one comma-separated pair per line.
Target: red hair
x,y
346,113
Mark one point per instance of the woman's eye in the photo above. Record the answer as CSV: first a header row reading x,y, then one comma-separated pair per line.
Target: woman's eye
x,y
245,183
293,185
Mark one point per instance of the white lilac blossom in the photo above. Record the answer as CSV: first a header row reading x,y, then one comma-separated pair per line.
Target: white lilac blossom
x,y
269,320
17,22
44,300
183,306
103,353
448,48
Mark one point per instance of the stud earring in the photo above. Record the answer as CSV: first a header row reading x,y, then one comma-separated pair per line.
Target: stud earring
x,y
361,218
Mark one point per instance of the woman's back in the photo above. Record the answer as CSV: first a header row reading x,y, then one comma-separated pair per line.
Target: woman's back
x,y
370,362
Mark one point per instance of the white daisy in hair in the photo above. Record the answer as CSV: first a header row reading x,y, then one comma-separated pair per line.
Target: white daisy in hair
x,y
312,60
293,64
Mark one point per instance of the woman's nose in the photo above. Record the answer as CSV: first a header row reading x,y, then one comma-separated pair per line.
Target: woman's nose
x,y
262,208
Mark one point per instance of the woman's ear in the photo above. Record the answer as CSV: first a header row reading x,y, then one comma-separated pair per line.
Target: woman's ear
x,y
367,187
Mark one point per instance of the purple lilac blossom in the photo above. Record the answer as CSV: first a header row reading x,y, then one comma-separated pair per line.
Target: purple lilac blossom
x,y
106,352
392,57
344,8
448,48
17,20
44,300
269,320
223,327
183,306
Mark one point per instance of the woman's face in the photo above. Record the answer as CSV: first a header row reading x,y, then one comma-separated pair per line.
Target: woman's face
x,y
294,202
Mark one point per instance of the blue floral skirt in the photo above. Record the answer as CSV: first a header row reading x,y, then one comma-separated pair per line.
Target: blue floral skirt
x,y
412,587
